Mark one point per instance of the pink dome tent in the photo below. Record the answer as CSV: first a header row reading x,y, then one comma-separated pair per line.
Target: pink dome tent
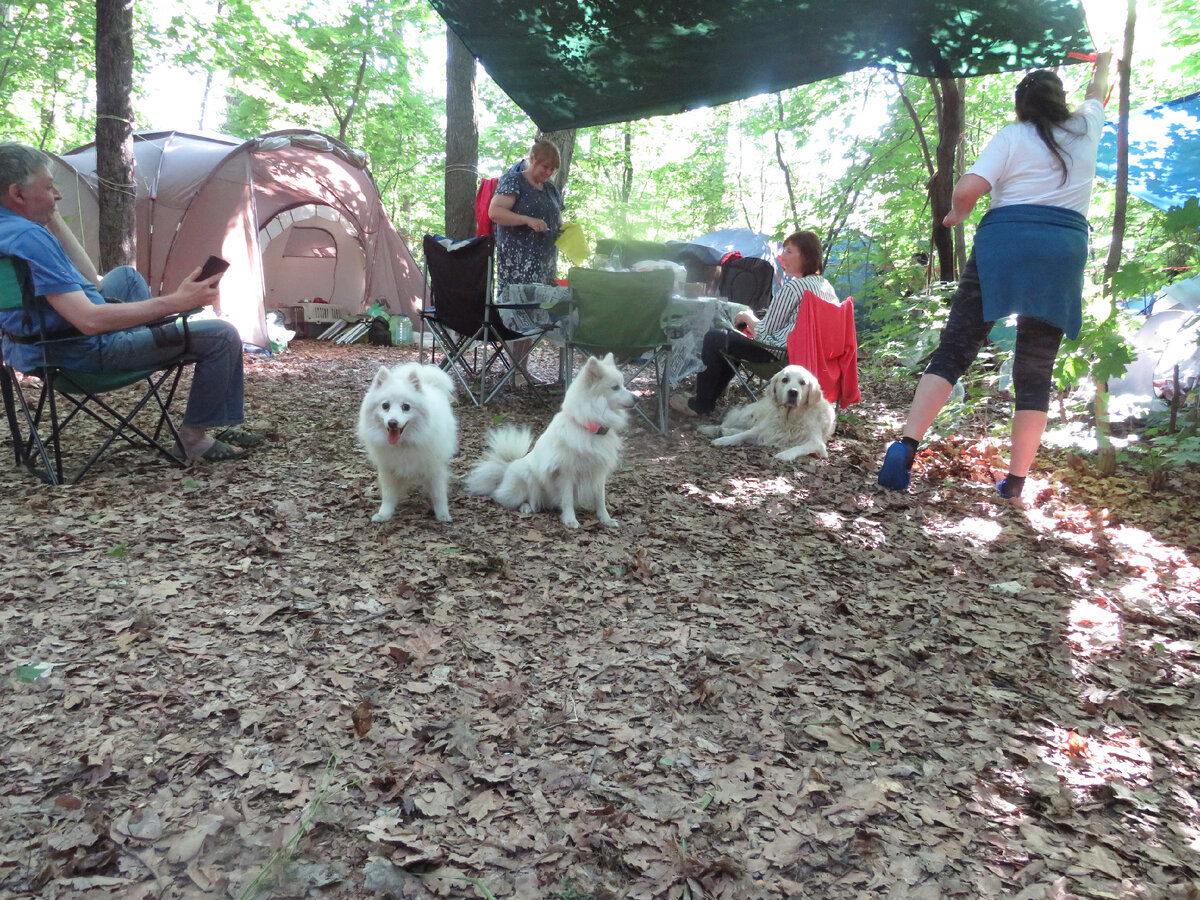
x,y
296,213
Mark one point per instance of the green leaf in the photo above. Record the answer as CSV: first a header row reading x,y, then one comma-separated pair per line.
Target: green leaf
x,y
33,671
119,551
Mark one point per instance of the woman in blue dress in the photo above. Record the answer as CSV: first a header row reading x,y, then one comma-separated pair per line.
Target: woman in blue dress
x,y
527,210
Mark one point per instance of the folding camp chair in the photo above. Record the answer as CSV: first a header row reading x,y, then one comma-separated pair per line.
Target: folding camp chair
x,y
621,313
67,397
464,319
753,375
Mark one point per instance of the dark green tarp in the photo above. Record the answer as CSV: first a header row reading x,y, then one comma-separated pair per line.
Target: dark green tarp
x,y
573,63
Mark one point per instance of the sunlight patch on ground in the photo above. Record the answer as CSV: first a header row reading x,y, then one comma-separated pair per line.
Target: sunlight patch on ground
x,y
1095,626
1148,557
1114,757
831,520
745,491
1079,436
977,530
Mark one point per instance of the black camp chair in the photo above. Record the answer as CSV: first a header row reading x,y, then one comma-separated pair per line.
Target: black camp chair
x,y
747,280
69,398
464,319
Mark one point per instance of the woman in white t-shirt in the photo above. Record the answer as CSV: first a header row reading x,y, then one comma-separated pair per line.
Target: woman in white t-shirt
x,y
1028,259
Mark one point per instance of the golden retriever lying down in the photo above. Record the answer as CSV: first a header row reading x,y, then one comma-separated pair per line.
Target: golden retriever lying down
x,y
791,414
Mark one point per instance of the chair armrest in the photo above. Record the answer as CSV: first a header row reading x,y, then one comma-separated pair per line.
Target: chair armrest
x,y
517,306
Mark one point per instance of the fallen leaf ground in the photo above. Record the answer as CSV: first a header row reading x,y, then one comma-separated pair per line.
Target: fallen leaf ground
x,y
771,681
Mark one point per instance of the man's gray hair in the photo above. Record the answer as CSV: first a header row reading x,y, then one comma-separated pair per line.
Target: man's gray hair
x,y
18,163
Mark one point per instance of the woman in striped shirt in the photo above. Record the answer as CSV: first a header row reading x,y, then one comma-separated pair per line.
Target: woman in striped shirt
x,y
801,260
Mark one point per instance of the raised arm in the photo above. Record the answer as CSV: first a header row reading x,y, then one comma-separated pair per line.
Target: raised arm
x,y
1099,86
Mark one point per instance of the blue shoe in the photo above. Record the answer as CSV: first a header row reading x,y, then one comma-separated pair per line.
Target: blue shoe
x,y
894,473
1007,490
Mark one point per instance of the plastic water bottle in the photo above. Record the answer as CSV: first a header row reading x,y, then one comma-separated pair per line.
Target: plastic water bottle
x,y
406,332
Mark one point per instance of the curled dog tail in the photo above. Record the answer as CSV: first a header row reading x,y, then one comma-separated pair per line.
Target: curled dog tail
x,y
504,446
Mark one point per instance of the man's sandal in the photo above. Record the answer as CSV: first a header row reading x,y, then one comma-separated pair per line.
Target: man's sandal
x,y
239,436
222,452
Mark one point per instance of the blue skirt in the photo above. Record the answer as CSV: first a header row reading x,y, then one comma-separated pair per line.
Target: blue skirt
x,y
1031,261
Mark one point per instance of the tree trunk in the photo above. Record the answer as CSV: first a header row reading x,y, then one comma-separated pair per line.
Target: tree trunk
x,y
950,96
114,133
1106,455
783,166
1113,263
565,142
462,139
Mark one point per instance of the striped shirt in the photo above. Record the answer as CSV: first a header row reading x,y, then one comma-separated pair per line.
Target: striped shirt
x,y
780,317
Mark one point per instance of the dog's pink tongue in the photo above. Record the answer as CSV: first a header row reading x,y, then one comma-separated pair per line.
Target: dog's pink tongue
x,y
394,433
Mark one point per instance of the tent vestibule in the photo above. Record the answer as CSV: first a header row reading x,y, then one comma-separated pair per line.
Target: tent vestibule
x,y
204,194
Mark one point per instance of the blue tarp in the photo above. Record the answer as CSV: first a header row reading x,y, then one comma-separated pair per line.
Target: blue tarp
x,y
1164,152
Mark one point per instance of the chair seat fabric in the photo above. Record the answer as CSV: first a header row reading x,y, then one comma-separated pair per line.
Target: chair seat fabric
x,y
621,313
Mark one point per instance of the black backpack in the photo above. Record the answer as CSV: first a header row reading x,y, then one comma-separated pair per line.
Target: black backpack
x,y
747,280
380,332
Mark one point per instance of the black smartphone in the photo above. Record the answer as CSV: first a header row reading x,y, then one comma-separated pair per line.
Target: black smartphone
x,y
214,265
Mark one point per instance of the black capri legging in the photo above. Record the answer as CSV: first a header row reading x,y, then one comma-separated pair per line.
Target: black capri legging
x,y
966,331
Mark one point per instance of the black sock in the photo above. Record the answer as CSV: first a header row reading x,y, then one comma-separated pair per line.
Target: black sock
x,y
1011,485
912,444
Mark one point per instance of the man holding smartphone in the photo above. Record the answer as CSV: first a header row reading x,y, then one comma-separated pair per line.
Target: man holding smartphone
x,y
113,336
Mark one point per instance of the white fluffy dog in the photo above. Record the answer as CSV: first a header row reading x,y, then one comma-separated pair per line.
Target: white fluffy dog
x,y
570,463
791,414
410,433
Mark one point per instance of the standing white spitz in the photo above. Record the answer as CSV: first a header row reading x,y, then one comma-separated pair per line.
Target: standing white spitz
x,y
570,463
410,433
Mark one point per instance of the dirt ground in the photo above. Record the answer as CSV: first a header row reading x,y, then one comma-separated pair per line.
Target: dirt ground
x,y
771,681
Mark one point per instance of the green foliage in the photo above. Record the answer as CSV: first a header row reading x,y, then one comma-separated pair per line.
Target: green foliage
x,y
1179,449
47,80
908,328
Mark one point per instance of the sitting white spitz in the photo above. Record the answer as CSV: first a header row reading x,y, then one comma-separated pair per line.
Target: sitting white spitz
x,y
410,433
791,414
570,463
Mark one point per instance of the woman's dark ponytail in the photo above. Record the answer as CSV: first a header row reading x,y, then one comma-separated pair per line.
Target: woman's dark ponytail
x,y
1042,102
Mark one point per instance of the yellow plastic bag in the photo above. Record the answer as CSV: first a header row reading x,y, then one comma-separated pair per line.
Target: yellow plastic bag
x,y
573,243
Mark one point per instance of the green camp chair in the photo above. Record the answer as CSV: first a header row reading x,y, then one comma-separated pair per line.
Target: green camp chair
x,y
37,425
621,313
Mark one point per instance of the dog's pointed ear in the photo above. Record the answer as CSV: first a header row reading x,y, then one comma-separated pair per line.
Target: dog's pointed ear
x,y
414,378
591,368
381,377
608,360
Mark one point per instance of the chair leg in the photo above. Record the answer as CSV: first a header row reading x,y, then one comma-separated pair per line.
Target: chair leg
x,y
26,448
10,409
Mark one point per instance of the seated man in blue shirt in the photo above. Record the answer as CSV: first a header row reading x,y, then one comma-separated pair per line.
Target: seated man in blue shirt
x,y
112,336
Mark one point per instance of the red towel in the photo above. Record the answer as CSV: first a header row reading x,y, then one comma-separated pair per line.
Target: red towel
x,y
824,342
483,199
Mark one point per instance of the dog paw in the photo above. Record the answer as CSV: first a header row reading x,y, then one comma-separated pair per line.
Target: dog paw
x,y
443,517
610,522
381,516
571,522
